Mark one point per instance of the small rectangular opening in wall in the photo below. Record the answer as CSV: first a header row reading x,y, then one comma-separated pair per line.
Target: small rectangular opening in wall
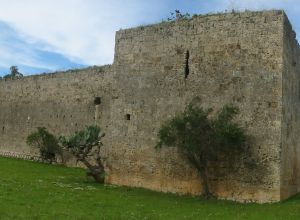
x,y
187,68
97,100
127,117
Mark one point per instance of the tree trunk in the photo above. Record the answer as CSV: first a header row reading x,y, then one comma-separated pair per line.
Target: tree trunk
x,y
94,171
96,175
201,165
206,193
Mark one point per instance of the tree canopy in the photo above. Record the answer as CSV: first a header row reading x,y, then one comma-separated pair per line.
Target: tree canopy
x,y
202,138
47,144
14,73
85,144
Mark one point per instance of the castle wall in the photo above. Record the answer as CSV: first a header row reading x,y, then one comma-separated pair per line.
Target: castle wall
x,y
233,58
61,102
290,155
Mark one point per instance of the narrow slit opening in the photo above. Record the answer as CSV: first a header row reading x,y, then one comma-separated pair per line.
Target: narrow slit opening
x,y
187,68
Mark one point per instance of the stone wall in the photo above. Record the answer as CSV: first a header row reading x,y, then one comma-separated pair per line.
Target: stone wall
x,y
233,58
290,154
220,59
61,102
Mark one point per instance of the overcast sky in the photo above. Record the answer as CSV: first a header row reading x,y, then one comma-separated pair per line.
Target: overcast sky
x,y
49,35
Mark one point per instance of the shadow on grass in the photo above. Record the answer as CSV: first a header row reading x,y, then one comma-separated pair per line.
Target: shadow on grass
x,y
77,176
294,198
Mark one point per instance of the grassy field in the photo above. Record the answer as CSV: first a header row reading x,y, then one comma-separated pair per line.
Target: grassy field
x,y
30,190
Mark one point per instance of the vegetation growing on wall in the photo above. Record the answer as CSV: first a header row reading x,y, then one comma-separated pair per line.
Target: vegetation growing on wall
x,y
14,73
202,138
177,15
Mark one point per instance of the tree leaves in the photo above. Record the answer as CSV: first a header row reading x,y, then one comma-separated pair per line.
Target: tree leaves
x,y
46,142
202,138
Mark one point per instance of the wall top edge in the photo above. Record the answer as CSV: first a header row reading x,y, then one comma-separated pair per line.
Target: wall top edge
x,y
92,69
204,17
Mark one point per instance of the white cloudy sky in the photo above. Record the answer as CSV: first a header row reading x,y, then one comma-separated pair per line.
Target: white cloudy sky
x,y
48,35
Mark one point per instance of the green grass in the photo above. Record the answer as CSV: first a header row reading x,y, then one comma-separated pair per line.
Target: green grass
x,y
30,190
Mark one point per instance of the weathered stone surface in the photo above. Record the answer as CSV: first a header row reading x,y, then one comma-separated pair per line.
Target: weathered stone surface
x,y
290,124
249,59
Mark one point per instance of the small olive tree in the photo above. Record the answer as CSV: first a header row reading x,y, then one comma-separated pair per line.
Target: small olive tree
x,y
47,144
202,139
84,145
177,15
14,73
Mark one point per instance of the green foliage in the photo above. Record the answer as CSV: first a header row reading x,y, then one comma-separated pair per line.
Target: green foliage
x,y
46,143
82,142
201,138
14,73
177,15
228,134
193,131
85,144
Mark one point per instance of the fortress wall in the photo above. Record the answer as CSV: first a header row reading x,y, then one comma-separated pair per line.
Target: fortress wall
x,y
290,155
61,102
233,58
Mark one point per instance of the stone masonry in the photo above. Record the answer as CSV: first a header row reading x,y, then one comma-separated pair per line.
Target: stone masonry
x,y
249,59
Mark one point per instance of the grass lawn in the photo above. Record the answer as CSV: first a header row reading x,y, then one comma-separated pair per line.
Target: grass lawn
x,y
30,190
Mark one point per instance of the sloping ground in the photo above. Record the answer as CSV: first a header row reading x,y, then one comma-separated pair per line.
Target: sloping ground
x,y
30,190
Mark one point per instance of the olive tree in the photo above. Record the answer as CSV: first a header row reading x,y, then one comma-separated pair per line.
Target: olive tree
x,y
47,144
202,138
14,73
85,145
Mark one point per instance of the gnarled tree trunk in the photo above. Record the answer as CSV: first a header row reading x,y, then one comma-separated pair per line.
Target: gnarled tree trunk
x,y
205,185
201,165
94,171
